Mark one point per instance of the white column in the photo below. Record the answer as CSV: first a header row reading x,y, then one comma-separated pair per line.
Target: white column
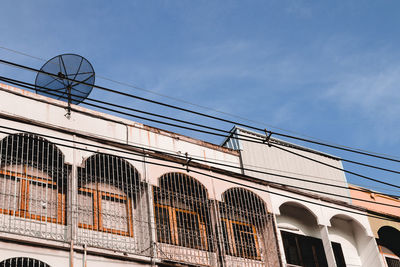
x,y
280,242
369,253
330,256
150,209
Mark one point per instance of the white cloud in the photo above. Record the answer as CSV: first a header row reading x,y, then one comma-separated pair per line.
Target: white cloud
x,y
374,97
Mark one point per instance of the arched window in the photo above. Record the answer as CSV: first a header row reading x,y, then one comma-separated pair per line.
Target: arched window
x,y
23,262
243,219
389,238
107,189
181,209
33,179
301,236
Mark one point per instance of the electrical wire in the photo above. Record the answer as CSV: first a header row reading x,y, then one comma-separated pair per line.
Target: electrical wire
x,y
270,169
212,162
254,170
204,107
337,168
23,84
178,120
382,216
203,114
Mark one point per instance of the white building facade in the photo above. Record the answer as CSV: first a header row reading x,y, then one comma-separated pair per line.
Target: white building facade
x,y
97,190
306,230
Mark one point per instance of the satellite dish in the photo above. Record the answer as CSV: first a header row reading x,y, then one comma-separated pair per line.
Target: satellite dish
x,y
72,81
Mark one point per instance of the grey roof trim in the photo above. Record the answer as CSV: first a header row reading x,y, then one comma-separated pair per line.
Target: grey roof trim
x,y
278,141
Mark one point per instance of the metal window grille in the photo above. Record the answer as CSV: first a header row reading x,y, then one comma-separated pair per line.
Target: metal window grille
x,y
183,222
111,209
33,187
23,262
247,230
391,262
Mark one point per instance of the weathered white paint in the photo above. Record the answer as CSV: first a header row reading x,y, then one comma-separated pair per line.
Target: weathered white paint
x,y
352,230
88,122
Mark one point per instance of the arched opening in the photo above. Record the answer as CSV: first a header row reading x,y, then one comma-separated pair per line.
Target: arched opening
x,y
33,178
23,262
389,242
301,235
247,228
350,236
182,212
108,188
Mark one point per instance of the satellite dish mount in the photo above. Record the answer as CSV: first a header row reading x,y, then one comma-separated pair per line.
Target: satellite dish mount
x,y
66,77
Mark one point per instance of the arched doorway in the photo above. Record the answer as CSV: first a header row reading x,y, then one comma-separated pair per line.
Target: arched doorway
x,y
358,248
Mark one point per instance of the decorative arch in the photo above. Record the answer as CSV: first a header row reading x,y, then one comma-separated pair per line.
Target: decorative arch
x,y
111,170
23,262
351,241
246,226
350,218
244,200
108,190
182,211
34,151
302,206
33,177
182,183
300,234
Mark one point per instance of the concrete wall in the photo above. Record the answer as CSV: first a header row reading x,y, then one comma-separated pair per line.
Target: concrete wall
x,y
60,258
45,116
26,105
346,226
269,159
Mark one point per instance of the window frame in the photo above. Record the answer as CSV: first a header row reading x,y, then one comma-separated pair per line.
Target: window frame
x,y
232,241
302,241
338,254
97,197
24,198
387,255
173,226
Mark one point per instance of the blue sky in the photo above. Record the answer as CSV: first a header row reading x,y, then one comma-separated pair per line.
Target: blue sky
x,y
327,69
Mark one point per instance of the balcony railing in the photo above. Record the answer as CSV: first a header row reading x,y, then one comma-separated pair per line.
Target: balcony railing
x,y
106,204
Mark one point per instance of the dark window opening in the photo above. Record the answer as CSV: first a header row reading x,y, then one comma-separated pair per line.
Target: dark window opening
x,y
304,250
391,262
338,252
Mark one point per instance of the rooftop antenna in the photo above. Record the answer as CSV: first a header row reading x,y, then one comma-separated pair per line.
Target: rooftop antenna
x,y
72,80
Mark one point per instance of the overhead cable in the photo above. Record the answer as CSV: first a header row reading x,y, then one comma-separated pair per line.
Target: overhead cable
x,y
24,84
206,115
203,107
382,216
155,157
